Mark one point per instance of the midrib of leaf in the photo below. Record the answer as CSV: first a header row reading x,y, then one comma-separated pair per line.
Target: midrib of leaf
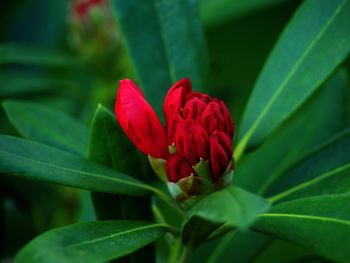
x,y
308,183
242,144
308,217
76,171
97,240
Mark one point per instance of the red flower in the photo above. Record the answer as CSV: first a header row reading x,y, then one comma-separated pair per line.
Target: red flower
x,y
139,121
198,129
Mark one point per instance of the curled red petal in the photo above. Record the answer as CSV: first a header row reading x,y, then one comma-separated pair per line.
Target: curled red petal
x,y
193,109
139,121
213,118
175,98
230,130
177,168
220,153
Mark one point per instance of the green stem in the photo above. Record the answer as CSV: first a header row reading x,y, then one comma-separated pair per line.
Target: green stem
x,y
186,254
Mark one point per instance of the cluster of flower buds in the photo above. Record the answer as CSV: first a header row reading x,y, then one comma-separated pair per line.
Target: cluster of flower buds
x,y
93,29
193,152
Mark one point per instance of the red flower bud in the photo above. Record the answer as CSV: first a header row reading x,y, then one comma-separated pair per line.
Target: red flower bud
x,y
192,142
175,98
139,121
177,168
220,153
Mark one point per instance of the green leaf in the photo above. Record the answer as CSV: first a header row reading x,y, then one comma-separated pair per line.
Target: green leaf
x,y
40,162
259,169
24,55
145,47
220,212
324,171
19,83
214,12
313,44
165,42
110,147
322,223
90,242
184,41
48,126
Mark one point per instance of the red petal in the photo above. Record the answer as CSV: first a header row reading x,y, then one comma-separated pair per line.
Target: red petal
x,y
177,168
192,142
139,121
175,98
220,153
213,119
193,109
230,130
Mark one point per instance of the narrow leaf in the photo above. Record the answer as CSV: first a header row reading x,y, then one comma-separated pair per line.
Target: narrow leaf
x,y
19,84
220,212
322,223
313,44
24,55
184,40
40,162
324,171
110,146
216,12
294,140
165,41
90,242
48,126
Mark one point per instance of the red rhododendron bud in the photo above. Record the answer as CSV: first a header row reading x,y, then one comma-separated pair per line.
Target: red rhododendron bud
x,y
220,153
192,142
139,121
193,154
178,168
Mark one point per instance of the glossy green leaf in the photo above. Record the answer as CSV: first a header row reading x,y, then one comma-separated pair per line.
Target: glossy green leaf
x,y
313,44
40,162
324,171
90,242
214,12
259,169
322,223
24,55
220,212
110,146
165,42
19,84
183,39
49,126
